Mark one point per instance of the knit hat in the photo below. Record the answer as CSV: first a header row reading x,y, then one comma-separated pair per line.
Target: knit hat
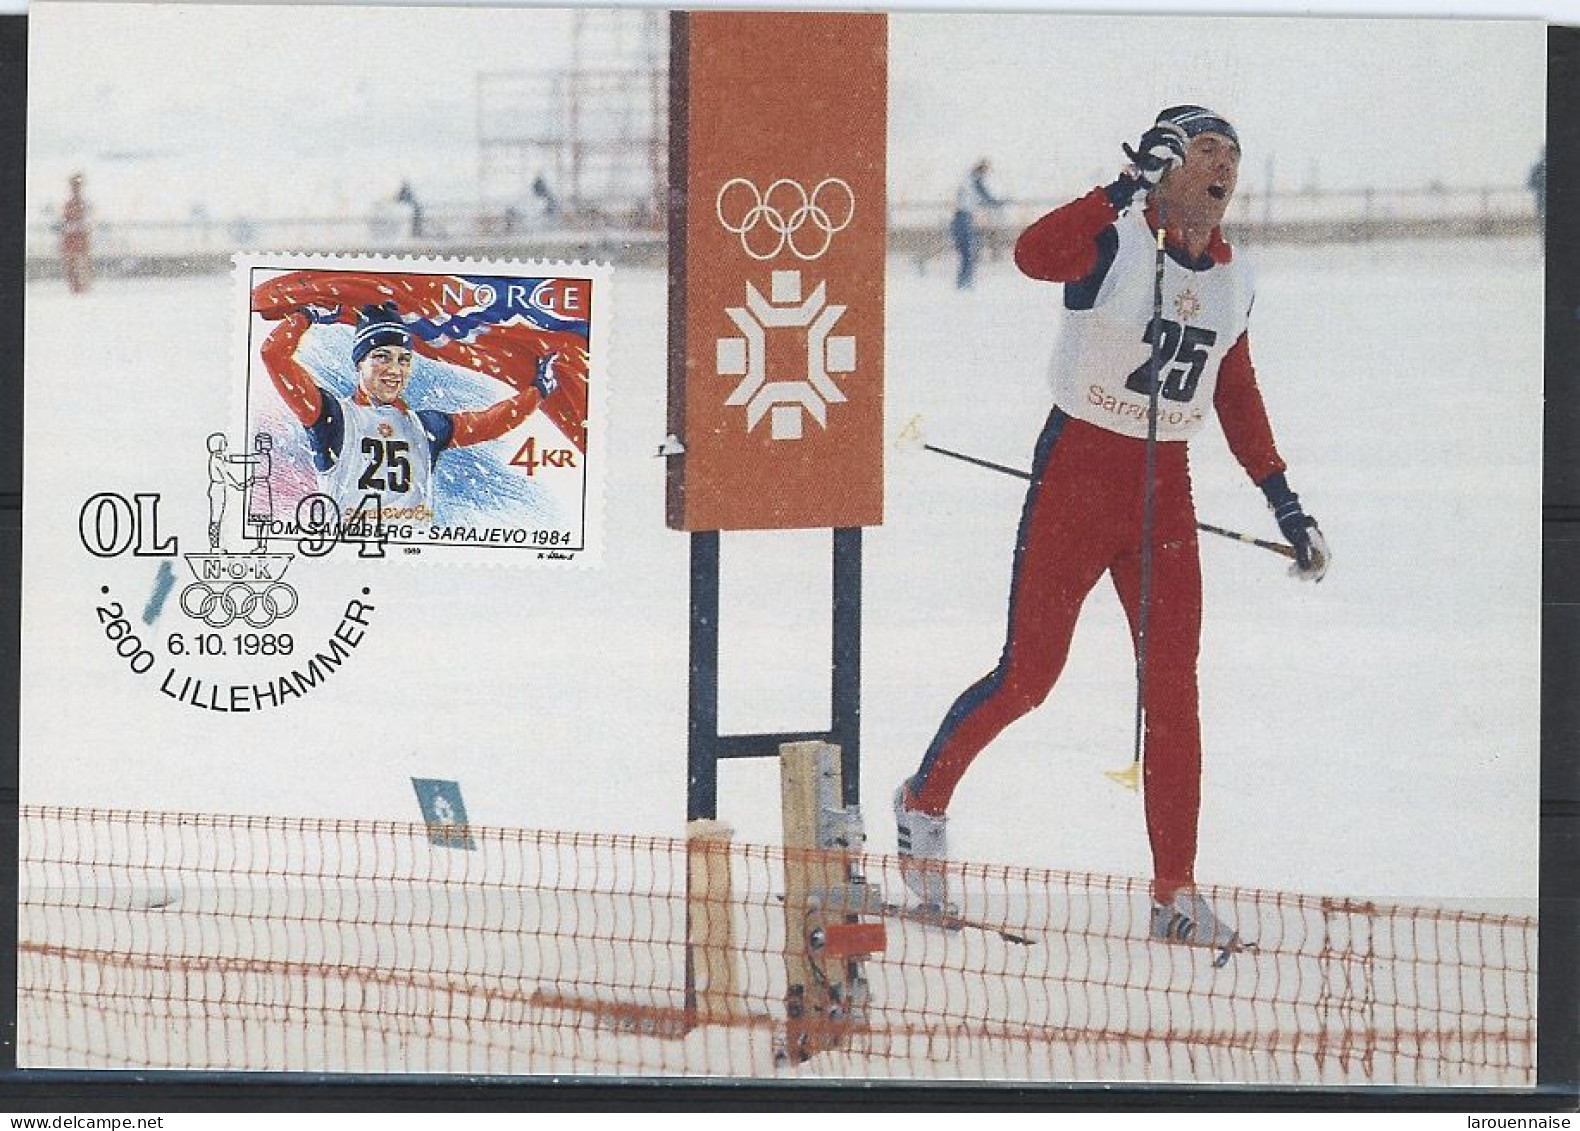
x,y
377,326
1195,120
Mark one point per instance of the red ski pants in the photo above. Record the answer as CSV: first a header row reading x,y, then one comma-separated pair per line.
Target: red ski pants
x,y
1082,518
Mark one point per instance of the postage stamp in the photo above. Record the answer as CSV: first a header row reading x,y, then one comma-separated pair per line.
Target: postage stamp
x,y
412,405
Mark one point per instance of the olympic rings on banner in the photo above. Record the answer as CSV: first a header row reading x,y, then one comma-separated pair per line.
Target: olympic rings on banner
x,y
218,607
782,213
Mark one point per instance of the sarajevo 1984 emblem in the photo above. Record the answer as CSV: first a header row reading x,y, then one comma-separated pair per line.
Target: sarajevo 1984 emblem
x,y
223,627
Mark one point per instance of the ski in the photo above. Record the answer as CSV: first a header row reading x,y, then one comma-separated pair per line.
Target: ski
x,y
1220,954
1236,946
953,921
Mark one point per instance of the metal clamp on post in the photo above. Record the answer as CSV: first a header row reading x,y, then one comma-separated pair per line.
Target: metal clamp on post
x,y
838,933
855,898
825,897
841,828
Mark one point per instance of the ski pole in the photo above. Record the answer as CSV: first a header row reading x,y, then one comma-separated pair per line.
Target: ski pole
x,y
1283,548
1280,548
987,463
1154,383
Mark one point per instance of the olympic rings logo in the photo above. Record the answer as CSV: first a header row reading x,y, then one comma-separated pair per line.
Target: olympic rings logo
x,y
769,222
218,607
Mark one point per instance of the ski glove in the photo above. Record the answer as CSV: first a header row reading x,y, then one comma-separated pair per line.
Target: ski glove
x,y
1312,556
321,315
1160,149
545,382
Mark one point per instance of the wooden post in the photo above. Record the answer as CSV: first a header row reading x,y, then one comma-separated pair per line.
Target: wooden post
x,y
810,781
710,921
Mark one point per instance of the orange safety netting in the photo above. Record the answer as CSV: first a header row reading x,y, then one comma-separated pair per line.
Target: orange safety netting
x,y
182,941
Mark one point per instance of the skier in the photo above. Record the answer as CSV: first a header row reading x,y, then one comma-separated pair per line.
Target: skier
x,y
374,444
972,195
1083,512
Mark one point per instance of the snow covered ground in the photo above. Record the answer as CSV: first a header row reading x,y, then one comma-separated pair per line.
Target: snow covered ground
x,y
1374,736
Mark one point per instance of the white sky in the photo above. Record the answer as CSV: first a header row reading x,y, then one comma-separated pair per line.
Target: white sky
x,y
326,108
1343,103
279,111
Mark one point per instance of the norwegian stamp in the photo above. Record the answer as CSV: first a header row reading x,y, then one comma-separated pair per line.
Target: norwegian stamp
x,y
413,406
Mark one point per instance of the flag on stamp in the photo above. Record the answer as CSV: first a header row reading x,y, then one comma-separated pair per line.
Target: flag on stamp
x,y
777,178
499,326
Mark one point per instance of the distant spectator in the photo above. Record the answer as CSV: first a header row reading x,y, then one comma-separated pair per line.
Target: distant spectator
x,y
541,190
408,197
74,233
1537,183
972,196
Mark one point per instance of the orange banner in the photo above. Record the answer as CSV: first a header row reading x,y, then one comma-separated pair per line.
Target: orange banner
x,y
777,171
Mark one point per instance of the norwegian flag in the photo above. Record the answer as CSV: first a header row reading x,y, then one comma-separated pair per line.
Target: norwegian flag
x,y
494,325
